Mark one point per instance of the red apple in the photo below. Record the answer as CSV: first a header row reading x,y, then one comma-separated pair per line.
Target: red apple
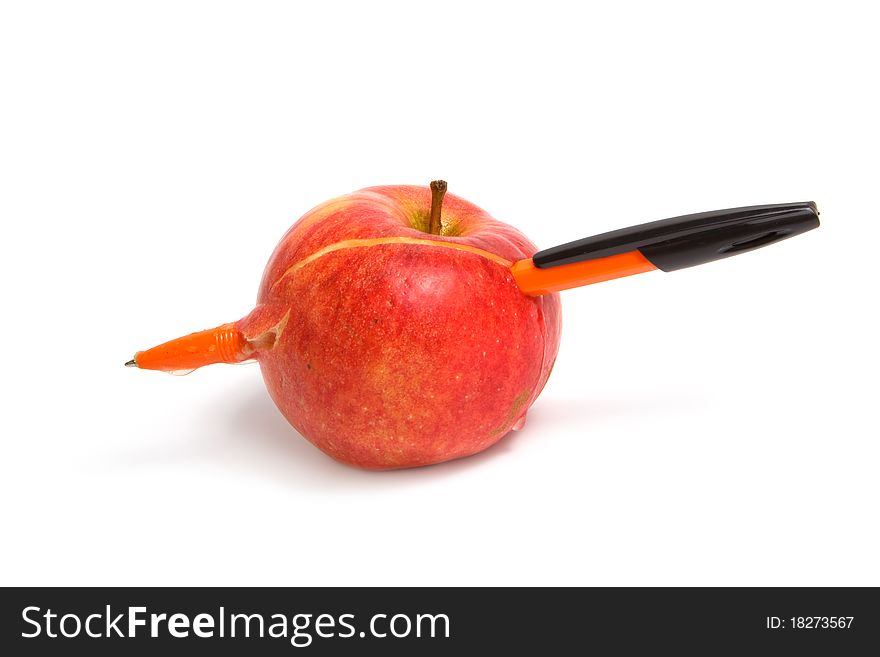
x,y
389,346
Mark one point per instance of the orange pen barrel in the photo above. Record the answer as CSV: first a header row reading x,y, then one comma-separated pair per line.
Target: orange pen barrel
x,y
223,344
535,281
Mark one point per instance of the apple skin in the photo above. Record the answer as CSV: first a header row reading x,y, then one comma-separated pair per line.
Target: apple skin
x,y
389,347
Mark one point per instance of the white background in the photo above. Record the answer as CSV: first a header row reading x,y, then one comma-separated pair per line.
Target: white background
x,y
716,425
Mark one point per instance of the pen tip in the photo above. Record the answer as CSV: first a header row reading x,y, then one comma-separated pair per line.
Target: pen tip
x,y
131,363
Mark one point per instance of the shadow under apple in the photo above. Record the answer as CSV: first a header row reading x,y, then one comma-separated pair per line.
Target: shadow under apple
x,y
263,439
244,433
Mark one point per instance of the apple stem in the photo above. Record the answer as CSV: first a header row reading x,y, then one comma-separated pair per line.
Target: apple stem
x,y
438,191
